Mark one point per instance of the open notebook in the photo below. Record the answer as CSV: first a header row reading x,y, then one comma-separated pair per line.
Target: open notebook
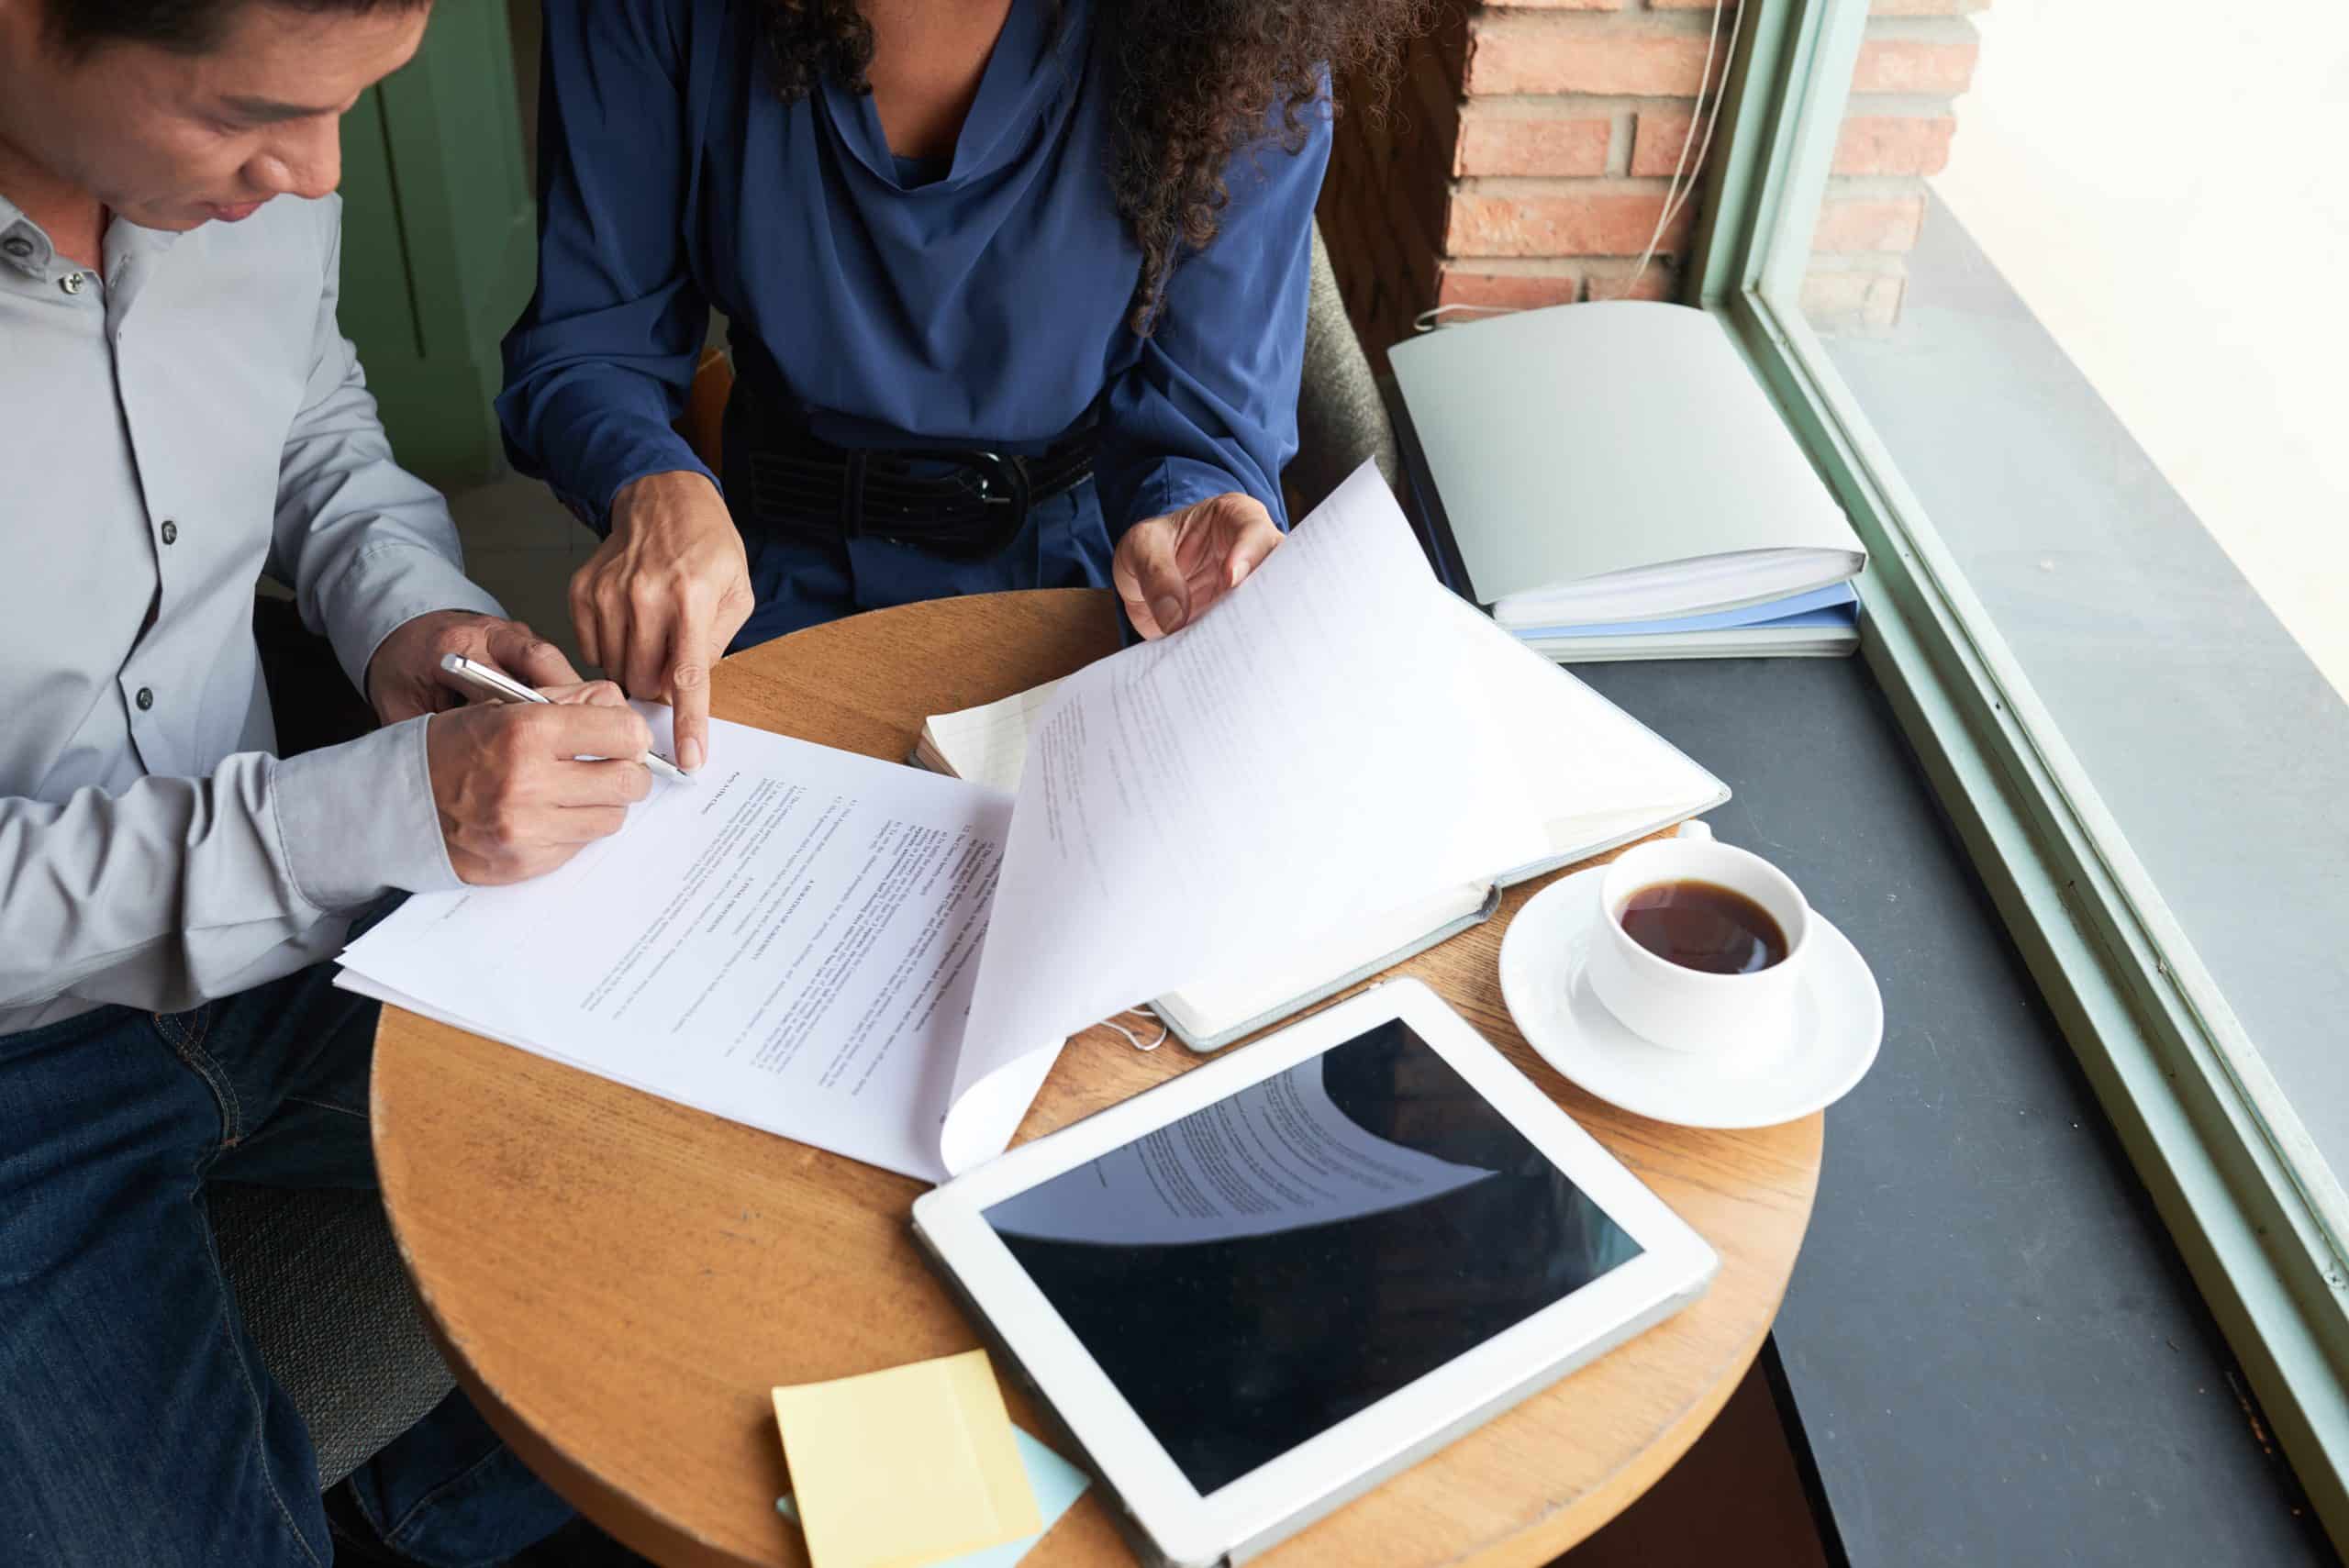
x,y
1598,777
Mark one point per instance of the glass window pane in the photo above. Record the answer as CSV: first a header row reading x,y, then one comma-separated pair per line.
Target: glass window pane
x,y
2083,269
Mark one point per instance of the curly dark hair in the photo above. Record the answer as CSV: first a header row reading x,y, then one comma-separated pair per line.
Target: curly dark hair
x,y
1196,82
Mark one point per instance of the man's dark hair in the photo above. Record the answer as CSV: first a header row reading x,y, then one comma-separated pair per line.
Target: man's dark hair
x,y
184,27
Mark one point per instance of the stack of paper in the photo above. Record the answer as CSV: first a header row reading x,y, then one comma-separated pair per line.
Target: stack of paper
x,y
1824,623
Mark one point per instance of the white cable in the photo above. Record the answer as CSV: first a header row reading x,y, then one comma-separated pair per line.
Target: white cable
x,y
1682,186
1133,1040
1712,121
1676,194
1429,321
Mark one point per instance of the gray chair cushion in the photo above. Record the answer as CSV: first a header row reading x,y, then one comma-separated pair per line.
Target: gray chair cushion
x,y
319,1284
1341,418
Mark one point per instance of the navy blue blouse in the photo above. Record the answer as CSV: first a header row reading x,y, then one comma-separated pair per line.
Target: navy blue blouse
x,y
983,304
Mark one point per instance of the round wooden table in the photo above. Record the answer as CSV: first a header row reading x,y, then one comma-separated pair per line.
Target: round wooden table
x,y
618,1281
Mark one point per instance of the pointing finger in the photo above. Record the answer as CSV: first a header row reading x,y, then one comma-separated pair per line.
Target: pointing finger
x,y
689,685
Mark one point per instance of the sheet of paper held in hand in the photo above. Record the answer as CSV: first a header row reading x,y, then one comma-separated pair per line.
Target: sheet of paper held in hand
x,y
884,961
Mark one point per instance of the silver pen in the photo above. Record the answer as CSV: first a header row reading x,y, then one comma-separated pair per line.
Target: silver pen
x,y
498,687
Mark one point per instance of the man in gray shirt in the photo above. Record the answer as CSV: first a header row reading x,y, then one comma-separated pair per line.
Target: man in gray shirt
x,y
178,412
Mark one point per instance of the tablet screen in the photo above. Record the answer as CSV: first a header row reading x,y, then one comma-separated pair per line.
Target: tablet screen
x,y
1265,1267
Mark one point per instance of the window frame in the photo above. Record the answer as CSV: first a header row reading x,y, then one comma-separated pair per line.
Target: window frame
x,y
2259,1218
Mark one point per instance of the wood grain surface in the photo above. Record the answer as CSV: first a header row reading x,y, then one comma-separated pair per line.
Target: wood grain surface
x,y
618,1281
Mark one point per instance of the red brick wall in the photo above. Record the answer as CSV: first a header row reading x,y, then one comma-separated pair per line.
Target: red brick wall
x,y
1525,154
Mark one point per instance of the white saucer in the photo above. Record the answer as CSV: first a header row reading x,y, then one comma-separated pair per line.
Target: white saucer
x,y
1839,1023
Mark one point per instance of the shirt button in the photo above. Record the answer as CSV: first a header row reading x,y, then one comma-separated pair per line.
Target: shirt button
x,y
146,698
70,283
170,532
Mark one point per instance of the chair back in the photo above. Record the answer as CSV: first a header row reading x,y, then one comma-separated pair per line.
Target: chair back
x,y
1340,416
703,423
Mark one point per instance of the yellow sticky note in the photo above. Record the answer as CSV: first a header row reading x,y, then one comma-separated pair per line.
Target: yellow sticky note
x,y
899,1468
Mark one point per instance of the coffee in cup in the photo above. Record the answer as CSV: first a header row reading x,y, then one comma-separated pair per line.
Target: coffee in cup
x,y
1699,946
1703,926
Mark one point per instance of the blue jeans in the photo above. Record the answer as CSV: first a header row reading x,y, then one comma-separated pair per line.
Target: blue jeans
x,y
137,1423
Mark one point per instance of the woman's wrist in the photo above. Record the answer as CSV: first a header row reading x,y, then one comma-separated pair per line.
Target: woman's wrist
x,y
669,487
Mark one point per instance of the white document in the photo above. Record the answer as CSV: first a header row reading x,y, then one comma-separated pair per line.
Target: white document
x,y
1592,772
1595,776
1278,1155
884,962
790,941
1313,746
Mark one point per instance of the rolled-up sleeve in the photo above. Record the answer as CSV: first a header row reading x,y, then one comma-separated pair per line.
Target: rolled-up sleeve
x,y
173,889
600,362
1210,405
366,544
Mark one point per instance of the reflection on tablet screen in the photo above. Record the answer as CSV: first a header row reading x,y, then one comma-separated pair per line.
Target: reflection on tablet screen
x,y
1264,1268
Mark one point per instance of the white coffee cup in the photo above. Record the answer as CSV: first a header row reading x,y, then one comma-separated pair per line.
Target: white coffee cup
x,y
1689,1009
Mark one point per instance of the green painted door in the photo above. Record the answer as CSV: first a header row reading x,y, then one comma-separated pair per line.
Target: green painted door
x,y
437,240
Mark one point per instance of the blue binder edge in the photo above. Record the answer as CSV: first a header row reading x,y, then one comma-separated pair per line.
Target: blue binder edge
x,y
1833,606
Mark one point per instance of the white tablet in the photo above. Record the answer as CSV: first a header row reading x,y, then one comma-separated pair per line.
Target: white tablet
x,y
1256,1290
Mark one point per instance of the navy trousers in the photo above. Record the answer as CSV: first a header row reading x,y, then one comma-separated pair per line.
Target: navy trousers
x,y
801,582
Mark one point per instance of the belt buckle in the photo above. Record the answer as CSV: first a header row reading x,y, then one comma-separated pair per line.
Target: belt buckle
x,y
1000,485
995,479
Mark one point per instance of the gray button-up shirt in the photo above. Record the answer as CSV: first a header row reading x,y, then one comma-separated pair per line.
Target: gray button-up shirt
x,y
169,426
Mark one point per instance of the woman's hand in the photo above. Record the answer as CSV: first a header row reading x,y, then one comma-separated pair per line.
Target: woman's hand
x,y
659,602
1170,569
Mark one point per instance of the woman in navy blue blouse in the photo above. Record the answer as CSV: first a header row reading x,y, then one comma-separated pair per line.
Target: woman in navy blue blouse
x,y
1016,290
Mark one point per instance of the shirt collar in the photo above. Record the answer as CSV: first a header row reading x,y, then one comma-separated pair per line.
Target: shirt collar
x,y
22,244
25,247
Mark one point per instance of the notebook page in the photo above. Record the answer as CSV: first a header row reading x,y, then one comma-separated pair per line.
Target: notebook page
x,y
1222,1002
988,744
1595,774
